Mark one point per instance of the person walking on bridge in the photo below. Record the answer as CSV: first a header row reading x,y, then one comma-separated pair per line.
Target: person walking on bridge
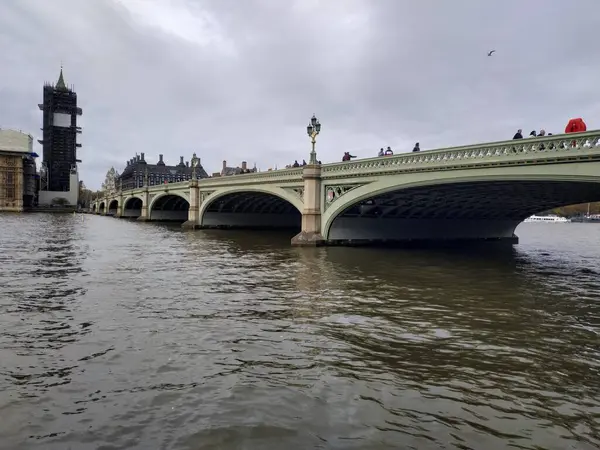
x,y
347,157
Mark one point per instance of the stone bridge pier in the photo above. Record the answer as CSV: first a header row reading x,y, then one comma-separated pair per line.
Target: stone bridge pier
x,y
310,233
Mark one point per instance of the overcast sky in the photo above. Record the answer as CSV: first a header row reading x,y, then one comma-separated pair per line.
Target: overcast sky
x,y
239,79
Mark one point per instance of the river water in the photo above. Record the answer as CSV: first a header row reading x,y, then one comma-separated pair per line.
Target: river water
x,y
125,335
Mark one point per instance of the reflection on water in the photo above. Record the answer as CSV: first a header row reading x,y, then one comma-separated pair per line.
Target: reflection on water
x,y
117,334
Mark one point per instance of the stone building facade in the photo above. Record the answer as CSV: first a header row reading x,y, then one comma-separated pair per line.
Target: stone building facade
x,y
17,183
137,168
11,182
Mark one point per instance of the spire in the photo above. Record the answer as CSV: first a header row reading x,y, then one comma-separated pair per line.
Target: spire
x,y
61,81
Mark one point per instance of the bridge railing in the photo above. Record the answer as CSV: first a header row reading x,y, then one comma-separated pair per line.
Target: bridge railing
x,y
522,151
270,176
529,150
293,174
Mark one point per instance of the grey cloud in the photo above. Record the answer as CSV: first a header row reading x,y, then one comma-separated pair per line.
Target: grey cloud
x,y
238,80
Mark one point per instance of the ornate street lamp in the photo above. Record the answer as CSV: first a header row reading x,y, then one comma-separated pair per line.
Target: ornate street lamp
x,y
313,129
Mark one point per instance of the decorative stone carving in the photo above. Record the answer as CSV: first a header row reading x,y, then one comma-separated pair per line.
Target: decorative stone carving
x,y
332,193
297,191
204,195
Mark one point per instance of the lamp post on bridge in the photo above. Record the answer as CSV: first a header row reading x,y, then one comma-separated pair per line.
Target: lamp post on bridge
x,y
313,129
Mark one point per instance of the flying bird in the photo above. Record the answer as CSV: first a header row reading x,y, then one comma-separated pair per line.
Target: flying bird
x,y
490,53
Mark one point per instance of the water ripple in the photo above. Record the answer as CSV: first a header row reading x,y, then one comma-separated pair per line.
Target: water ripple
x,y
115,334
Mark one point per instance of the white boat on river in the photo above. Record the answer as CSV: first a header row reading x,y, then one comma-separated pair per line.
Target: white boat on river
x,y
550,218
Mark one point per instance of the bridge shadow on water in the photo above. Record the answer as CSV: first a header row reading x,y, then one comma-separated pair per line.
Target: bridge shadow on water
x,y
470,255
454,263
480,277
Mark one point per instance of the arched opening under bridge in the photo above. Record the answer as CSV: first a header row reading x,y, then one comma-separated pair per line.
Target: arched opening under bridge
x,y
113,207
169,208
477,211
101,208
251,210
132,208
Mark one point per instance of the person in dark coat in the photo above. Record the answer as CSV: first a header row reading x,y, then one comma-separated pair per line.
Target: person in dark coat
x,y
518,134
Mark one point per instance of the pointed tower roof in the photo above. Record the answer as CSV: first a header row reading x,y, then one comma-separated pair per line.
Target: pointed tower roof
x,y
61,81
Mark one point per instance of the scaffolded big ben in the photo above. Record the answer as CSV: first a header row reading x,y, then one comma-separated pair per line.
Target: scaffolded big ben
x,y
59,142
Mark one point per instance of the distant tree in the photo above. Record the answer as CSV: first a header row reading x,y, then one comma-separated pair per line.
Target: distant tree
x,y
573,210
85,198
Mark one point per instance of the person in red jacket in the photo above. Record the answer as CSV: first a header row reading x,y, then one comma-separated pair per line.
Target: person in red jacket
x,y
575,126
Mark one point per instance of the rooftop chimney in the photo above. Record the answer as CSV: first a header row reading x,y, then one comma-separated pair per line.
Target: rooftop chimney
x,y
142,156
128,162
160,160
224,165
187,164
244,165
181,160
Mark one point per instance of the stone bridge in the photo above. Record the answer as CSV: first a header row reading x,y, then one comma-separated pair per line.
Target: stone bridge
x,y
476,192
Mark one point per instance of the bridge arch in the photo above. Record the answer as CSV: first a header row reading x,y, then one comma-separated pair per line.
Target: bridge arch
x,y
113,207
101,207
456,205
132,207
131,202
94,207
251,207
169,207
